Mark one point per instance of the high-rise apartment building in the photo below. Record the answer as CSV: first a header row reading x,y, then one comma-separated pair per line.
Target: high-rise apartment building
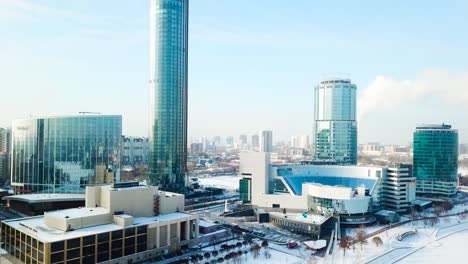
x,y
398,188
168,94
60,154
435,160
266,141
5,146
5,139
335,124
243,139
135,151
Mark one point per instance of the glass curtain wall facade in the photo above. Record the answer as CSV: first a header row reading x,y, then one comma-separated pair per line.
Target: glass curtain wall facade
x,y
335,124
435,160
168,94
60,154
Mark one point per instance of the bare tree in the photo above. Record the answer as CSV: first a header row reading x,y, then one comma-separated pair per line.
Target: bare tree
x,y
434,220
414,214
255,249
361,236
438,210
345,244
377,241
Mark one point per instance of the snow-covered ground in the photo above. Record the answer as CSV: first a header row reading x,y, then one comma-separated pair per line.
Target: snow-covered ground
x,y
224,182
278,255
449,250
462,171
417,248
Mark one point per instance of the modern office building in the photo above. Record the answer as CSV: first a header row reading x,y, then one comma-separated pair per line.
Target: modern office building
x,y
321,189
435,160
266,141
60,154
135,151
168,94
120,223
5,139
335,125
399,188
255,142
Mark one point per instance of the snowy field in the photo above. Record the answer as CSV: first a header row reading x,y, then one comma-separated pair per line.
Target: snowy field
x,y
447,238
224,182
449,250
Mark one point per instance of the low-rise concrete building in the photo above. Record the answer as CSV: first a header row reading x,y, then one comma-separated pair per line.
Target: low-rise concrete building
x,y
121,223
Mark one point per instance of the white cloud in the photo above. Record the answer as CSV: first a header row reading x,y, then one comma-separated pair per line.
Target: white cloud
x,y
447,87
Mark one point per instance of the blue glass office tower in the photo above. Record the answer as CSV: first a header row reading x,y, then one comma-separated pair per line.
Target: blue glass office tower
x,y
168,94
60,154
435,160
335,124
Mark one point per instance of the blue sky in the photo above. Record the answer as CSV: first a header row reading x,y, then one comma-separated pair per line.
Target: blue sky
x,y
252,63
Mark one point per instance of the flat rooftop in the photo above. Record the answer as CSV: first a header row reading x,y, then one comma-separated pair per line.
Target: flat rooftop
x,y
35,227
309,219
46,197
206,224
76,213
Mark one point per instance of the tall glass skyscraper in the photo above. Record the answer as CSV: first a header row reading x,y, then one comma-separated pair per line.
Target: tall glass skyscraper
x,y
435,160
60,154
168,94
335,124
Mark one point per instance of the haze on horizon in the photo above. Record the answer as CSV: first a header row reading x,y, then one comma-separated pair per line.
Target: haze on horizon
x,y
252,64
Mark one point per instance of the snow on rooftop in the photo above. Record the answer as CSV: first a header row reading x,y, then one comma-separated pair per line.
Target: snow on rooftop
x,y
35,227
79,212
204,223
47,197
315,244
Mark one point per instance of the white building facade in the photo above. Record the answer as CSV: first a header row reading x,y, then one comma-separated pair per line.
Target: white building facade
x,y
323,189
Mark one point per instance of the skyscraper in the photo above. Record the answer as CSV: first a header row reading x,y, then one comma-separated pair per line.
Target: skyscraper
x,y
266,141
168,94
435,160
335,124
255,142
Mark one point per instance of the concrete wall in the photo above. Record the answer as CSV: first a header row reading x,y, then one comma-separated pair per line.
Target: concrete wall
x,y
133,201
284,201
255,165
59,222
171,202
329,192
93,196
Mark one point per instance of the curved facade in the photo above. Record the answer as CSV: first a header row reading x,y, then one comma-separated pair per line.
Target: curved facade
x,y
168,94
60,154
435,159
335,124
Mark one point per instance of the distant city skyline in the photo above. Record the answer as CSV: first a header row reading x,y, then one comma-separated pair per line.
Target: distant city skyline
x,y
61,57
